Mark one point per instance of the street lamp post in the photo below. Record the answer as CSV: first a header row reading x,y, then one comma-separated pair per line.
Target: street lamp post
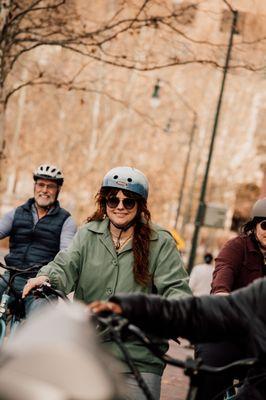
x,y
185,170
155,97
201,207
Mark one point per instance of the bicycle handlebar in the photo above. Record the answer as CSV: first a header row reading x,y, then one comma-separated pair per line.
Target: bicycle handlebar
x,y
14,272
46,290
120,325
33,268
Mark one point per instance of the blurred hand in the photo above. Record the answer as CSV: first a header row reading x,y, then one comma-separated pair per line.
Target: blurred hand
x,y
32,283
222,294
99,306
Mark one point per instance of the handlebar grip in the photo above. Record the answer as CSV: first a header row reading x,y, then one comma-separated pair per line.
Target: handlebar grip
x,y
46,290
38,292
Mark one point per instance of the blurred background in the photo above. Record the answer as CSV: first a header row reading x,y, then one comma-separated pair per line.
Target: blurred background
x,y
174,88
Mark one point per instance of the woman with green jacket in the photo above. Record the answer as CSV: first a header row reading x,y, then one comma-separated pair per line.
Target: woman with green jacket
x,y
120,250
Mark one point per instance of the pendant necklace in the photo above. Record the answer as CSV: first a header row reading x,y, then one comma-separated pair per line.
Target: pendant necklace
x,y
118,243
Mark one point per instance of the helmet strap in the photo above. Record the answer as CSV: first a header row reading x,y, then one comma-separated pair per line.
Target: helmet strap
x,y
57,194
123,228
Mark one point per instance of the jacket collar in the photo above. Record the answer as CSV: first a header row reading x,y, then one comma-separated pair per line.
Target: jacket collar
x,y
27,206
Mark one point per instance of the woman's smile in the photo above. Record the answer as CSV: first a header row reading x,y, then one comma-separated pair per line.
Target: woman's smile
x,y
119,215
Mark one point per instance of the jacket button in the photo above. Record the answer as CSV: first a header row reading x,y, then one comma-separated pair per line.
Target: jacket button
x,y
114,262
109,291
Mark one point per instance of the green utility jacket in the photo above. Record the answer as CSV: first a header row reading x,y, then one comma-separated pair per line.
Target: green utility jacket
x,y
93,269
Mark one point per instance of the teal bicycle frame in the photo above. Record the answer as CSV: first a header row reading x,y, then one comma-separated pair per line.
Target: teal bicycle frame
x,y
5,301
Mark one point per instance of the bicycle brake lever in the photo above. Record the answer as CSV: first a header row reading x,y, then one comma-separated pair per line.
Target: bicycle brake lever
x,y
40,291
114,322
192,366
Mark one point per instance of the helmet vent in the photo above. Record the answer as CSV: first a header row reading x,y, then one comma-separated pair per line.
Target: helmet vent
x,y
129,179
115,176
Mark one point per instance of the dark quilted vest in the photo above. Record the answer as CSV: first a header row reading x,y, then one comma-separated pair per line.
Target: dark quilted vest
x,y
39,244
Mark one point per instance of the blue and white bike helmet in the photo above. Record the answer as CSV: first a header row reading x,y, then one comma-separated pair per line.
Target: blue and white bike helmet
x,y
127,178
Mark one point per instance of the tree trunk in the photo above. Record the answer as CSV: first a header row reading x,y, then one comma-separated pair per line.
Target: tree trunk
x,y
2,140
13,145
4,12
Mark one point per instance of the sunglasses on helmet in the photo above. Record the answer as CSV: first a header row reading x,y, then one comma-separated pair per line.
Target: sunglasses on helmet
x,y
113,202
262,224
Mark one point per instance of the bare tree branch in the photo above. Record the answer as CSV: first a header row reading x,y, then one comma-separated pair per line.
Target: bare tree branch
x,y
34,23
32,7
69,86
228,5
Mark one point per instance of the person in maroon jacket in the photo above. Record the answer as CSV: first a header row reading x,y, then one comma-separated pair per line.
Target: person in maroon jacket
x,y
243,259
240,261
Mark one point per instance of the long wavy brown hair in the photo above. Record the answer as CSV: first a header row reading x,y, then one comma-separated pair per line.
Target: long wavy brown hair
x,y
141,235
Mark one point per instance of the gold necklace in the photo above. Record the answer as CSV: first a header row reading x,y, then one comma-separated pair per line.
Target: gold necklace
x,y
118,242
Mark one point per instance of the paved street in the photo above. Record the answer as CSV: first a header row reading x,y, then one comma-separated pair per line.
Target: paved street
x,y
174,383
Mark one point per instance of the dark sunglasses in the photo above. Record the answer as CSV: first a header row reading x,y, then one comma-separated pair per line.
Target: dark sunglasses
x,y
128,203
262,224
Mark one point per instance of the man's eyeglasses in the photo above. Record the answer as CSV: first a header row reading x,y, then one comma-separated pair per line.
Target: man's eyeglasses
x,y
262,224
128,203
49,186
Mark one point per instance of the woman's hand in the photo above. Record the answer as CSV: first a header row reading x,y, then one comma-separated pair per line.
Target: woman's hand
x,y
99,306
32,283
